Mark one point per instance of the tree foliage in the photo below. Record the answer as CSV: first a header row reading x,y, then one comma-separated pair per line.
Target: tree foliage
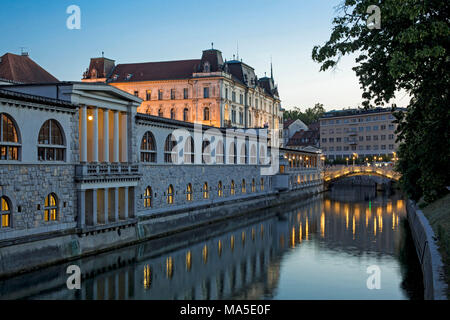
x,y
409,52
309,116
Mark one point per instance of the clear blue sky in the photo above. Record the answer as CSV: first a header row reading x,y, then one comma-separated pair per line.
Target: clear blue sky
x,y
156,30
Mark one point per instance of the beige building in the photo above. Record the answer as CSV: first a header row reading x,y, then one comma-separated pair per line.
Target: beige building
x,y
209,90
363,132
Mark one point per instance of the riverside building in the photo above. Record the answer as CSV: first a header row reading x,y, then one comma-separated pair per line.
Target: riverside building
x,y
208,90
81,170
366,133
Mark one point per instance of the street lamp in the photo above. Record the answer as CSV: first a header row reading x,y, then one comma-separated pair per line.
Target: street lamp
x,y
347,160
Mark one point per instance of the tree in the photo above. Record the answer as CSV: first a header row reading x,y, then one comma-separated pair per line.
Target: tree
x,y
409,52
309,116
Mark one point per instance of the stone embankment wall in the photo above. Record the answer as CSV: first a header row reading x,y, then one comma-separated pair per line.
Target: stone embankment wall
x,y
24,257
428,254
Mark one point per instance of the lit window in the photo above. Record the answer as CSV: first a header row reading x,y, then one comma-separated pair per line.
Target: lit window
x,y
51,142
189,192
9,139
148,148
148,95
232,188
148,197
5,213
262,184
243,186
205,191
253,185
206,114
50,208
220,189
170,194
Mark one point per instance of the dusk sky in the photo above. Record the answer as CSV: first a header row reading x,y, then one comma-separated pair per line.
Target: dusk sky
x,y
144,31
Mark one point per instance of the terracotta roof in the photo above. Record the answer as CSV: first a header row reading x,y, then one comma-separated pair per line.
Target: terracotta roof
x,y
304,138
22,69
147,71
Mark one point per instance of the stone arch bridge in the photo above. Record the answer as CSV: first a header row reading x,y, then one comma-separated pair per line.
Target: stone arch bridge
x,y
378,175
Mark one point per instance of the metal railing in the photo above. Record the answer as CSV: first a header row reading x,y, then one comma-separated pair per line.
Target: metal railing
x,y
98,169
335,172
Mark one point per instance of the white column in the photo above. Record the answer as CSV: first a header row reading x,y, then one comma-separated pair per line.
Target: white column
x,y
95,137
116,136
116,204
125,203
105,135
83,142
124,135
94,207
106,204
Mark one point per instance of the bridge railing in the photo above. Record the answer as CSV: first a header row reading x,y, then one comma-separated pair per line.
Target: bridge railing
x,y
336,172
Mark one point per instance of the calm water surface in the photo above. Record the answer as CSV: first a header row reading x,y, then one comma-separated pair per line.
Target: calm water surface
x,y
318,248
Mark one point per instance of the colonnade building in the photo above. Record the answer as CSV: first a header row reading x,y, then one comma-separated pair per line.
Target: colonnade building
x,y
78,158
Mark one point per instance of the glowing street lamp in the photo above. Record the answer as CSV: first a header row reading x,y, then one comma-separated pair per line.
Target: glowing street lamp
x,y
347,160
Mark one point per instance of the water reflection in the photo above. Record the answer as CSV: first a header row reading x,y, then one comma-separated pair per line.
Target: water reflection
x,y
302,251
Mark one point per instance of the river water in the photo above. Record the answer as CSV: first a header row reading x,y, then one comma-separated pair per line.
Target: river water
x,y
348,243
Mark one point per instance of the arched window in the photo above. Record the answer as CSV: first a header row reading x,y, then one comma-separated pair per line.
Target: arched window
x,y
5,213
244,189
262,184
253,185
262,156
148,197
219,152
220,189
253,154
189,154
189,192
170,194
170,155
206,151
148,148
9,139
186,114
206,114
232,156
172,113
232,188
205,191
51,208
51,142
243,156
160,113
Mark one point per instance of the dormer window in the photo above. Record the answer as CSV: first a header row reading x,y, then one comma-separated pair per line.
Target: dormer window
x,y
206,67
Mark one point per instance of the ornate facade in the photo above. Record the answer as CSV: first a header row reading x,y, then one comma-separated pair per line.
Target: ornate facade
x,y
209,90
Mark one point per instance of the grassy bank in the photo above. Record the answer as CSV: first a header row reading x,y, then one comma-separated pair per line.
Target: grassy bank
x,y
438,214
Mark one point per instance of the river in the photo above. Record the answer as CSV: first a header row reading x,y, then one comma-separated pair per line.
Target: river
x,y
347,243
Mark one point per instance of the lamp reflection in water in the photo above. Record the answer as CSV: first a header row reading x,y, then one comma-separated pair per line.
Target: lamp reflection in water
x,y
322,225
188,260
147,277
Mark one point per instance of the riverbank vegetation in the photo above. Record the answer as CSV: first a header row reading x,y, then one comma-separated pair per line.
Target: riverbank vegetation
x,y
402,46
438,214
